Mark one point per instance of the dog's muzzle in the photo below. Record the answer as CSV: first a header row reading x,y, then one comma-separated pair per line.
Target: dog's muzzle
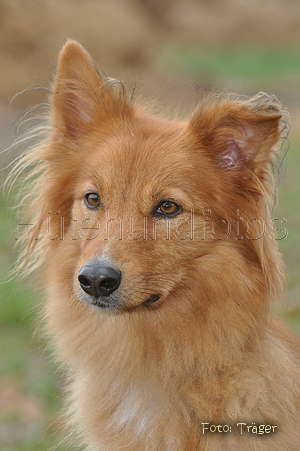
x,y
100,280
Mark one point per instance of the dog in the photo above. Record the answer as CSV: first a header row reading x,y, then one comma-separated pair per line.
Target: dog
x,y
156,246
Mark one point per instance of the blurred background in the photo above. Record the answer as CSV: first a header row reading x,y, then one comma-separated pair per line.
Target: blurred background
x,y
162,47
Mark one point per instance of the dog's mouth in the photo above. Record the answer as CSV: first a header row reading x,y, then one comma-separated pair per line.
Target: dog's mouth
x,y
103,304
149,303
113,304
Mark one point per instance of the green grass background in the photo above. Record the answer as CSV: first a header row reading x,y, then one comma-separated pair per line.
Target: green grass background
x,y
29,382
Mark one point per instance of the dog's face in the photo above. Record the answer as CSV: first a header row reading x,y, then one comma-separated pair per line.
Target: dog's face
x,y
154,210
139,211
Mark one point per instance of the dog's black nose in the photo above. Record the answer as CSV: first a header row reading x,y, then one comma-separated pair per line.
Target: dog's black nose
x,y
99,278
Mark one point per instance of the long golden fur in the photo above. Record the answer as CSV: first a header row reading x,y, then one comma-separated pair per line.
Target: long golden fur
x,y
182,353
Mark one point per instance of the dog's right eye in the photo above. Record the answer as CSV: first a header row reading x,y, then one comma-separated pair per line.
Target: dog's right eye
x,y
168,208
92,200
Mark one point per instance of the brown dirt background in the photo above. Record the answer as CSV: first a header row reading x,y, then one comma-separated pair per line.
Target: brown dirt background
x,y
125,37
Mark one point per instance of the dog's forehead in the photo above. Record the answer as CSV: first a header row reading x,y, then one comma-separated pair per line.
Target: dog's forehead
x,y
144,144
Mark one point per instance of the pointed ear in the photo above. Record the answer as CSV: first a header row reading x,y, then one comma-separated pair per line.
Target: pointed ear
x,y
239,135
81,96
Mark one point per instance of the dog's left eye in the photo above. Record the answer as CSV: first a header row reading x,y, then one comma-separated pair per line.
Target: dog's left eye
x,y
168,208
92,200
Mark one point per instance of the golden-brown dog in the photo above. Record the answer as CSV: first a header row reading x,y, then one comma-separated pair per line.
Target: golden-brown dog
x,y
157,249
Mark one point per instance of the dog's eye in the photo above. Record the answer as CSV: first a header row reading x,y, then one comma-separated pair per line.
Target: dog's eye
x,y
92,200
168,208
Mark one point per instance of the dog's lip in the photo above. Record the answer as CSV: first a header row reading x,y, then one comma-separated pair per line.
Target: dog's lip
x,y
101,304
152,300
106,304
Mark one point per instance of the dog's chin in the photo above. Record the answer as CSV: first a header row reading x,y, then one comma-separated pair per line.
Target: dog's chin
x,y
115,303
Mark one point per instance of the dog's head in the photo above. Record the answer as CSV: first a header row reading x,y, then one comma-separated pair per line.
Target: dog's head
x,y
139,211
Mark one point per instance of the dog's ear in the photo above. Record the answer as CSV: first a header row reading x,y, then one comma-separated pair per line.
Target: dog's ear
x,y
81,96
239,135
